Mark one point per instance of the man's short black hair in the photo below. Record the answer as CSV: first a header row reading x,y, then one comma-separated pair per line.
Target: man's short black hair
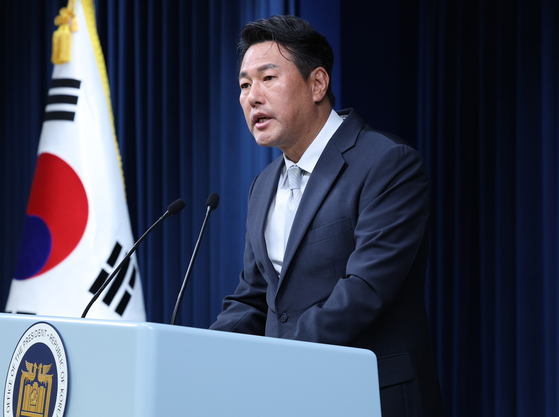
x,y
308,48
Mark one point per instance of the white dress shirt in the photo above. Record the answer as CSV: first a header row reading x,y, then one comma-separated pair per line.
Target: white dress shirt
x,y
274,230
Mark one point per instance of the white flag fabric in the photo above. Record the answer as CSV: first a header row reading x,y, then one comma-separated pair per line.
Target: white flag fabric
x,y
77,227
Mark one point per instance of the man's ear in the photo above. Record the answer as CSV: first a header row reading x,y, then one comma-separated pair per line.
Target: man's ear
x,y
320,80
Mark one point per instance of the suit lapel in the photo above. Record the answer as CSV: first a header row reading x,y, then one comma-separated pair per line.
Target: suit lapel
x,y
321,181
261,199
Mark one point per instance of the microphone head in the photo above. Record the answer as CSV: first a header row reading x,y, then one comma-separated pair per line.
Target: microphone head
x,y
176,206
212,201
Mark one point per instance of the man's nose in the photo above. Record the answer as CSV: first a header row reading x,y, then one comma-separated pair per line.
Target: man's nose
x,y
255,95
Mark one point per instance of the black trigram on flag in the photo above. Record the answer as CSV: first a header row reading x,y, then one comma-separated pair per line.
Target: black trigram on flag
x,y
62,100
117,282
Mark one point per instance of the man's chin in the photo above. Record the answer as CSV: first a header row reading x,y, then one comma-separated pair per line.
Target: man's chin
x,y
265,142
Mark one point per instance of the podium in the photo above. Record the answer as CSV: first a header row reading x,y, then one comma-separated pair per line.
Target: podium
x,y
146,369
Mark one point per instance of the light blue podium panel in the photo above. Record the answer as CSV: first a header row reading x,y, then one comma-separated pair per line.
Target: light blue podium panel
x,y
147,369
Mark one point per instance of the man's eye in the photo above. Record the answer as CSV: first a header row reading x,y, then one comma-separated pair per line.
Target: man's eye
x,y
245,85
268,77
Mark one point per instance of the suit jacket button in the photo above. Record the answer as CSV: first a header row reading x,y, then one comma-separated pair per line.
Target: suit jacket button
x,y
284,317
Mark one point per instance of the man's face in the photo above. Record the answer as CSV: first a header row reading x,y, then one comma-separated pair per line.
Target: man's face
x,y
278,103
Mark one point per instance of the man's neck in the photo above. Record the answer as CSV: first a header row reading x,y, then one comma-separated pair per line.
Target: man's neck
x,y
296,152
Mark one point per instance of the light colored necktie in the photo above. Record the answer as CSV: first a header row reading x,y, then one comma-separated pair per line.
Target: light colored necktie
x,y
294,176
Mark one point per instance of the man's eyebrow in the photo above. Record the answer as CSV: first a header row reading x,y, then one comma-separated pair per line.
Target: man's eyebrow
x,y
259,69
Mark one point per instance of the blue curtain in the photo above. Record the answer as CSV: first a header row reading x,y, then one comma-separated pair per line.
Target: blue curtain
x,y
488,127
472,84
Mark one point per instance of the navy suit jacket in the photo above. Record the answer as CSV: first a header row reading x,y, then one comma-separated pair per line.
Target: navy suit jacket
x,y
354,267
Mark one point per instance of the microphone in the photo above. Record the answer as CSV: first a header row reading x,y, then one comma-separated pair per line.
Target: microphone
x,y
211,204
174,208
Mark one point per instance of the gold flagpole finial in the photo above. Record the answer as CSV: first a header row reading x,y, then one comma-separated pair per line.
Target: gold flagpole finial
x,y
62,37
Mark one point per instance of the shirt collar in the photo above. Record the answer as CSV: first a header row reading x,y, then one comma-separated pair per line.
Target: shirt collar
x,y
313,152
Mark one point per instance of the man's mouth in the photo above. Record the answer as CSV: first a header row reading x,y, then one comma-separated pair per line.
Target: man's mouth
x,y
260,118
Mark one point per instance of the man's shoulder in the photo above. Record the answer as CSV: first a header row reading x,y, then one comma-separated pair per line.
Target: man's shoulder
x,y
384,138
356,133
271,172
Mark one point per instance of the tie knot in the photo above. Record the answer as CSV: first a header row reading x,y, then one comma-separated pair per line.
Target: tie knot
x,y
294,176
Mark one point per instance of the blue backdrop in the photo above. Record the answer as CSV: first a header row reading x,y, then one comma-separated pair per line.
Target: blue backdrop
x,y
474,85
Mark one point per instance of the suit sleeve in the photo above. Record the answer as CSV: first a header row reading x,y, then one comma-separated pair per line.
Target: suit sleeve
x,y
245,311
391,236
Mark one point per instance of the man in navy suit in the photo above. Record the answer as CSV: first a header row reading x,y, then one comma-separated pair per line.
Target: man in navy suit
x,y
337,227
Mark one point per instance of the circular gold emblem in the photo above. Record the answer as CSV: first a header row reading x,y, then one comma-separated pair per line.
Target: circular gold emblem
x,y
37,380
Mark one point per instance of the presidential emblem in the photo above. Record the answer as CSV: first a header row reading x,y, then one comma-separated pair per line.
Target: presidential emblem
x,y
37,380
